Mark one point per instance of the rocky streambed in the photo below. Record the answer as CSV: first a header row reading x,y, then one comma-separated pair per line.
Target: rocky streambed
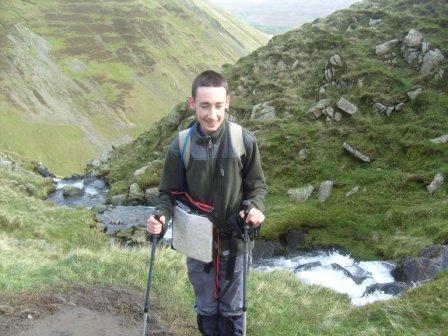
x,y
363,281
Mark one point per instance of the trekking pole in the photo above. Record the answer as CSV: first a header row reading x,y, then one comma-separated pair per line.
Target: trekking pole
x,y
155,239
246,205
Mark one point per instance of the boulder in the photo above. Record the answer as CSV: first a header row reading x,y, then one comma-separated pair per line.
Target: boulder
x,y
336,60
315,111
266,249
436,183
374,22
439,74
135,195
440,140
413,39
307,266
412,95
380,108
399,106
431,61
118,199
384,48
438,253
94,163
292,240
42,170
355,153
71,191
5,162
415,269
281,66
302,154
151,195
337,116
356,279
105,155
346,106
329,74
329,112
411,56
301,194
325,190
391,288
263,112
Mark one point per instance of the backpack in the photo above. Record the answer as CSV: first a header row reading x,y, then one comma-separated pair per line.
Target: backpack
x,y
236,139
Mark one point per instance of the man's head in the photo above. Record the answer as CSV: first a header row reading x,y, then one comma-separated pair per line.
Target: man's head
x,y
210,99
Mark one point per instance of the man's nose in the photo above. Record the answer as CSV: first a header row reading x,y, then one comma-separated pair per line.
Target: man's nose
x,y
213,112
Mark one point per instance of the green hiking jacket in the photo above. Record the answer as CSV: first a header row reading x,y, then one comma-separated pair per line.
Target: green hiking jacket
x,y
223,183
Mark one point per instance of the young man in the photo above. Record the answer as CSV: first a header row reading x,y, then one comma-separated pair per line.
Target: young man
x,y
218,176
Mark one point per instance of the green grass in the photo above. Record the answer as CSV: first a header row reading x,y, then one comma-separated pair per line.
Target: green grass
x,y
53,248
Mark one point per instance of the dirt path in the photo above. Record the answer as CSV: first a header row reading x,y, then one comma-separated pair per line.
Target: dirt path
x,y
81,311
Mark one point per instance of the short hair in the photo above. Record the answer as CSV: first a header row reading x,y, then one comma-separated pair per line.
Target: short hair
x,y
209,78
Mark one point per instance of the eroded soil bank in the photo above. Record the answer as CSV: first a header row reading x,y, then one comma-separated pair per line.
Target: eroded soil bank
x,y
80,311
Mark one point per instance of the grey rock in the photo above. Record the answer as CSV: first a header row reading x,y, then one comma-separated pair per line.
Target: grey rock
x,y
439,253
173,117
374,22
307,266
263,112
141,171
151,195
329,74
281,66
322,92
325,190
294,65
391,288
301,194
100,208
336,60
399,106
118,199
425,47
414,94
416,269
413,39
440,140
293,240
411,56
329,111
105,155
302,154
431,61
357,279
135,195
94,163
357,154
439,74
346,106
315,111
380,108
71,191
267,249
436,183
42,170
337,116
353,191
384,48
5,162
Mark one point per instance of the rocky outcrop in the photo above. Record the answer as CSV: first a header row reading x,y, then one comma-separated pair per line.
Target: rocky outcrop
x,y
436,183
301,194
356,153
391,288
42,170
385,48
325,190
316,110
267,249
347,106
263,112
412,95
443,139
431,261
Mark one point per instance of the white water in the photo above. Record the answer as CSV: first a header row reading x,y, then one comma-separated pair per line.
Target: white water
x,y
335,279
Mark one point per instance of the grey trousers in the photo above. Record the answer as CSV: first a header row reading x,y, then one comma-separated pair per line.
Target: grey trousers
x,y
230,301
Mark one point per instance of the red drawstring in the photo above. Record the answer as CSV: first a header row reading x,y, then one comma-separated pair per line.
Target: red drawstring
x,y
216,263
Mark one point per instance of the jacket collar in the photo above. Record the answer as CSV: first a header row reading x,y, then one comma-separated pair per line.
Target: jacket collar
x,y
215,136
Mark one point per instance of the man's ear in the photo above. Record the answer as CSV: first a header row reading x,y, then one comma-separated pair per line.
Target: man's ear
x,y
191,103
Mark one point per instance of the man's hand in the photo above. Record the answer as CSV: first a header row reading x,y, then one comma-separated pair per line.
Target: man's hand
x,y
154,226
255,217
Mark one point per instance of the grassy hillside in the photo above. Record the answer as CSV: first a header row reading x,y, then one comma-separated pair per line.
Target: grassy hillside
x,y
392,214
45,249
78,75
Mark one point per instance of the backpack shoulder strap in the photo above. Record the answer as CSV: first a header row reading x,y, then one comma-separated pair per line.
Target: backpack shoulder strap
x,y
236,136
185,145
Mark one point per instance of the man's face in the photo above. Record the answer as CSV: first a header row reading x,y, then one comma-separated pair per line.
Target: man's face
x,y
210,105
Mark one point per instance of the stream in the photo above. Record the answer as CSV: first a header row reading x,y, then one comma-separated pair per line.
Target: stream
x,y
364,281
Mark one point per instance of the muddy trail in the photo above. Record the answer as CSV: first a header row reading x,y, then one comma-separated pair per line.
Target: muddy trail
x,y
81,311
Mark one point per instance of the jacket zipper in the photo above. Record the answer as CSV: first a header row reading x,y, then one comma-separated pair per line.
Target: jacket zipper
x,y
210,157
